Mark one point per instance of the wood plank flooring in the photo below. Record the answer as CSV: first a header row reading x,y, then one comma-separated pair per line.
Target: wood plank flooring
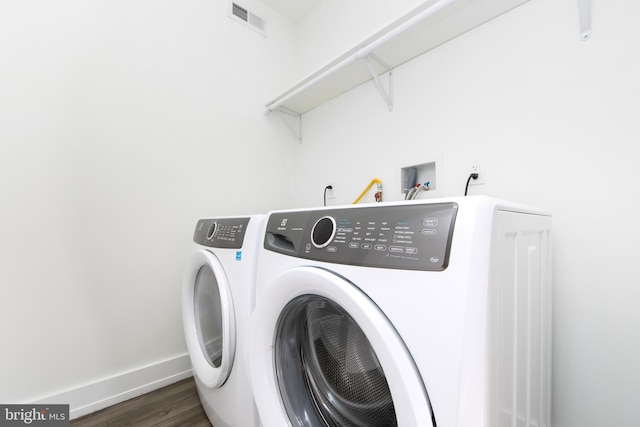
x,y
175,405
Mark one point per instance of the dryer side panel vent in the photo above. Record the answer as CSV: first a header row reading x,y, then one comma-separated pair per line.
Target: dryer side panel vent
x,y
243,15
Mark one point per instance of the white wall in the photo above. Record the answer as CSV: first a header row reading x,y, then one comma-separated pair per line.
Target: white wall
x,y
121,123
556,122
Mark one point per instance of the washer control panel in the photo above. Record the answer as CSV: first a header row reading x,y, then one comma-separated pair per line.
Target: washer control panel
x,y
409,237
221,232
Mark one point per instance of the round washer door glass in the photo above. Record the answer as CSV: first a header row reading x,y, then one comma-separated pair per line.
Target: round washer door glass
x,y
209,318
327,371
208,315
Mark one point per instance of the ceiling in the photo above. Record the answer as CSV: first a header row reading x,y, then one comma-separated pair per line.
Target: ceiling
x,y
292,9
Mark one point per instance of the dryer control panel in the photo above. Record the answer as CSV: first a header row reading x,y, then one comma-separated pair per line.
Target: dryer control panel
x,y
221,232
408,237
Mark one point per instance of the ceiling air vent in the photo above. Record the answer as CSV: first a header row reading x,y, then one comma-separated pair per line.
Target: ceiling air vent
x,y
243,15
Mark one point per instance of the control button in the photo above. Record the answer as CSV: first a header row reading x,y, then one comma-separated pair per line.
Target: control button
x,y
430,222
366,246
332,249
396,249
380,248
354,245
429,231
308,247
411,251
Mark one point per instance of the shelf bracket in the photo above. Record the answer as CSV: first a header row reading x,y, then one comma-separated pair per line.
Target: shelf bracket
x,y
293,121
585,19
387,95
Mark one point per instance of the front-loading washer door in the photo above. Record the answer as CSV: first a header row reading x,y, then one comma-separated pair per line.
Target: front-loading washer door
x,y
209,318
323,354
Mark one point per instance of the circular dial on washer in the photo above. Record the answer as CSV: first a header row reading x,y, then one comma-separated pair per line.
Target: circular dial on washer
x,y
323,231
212,230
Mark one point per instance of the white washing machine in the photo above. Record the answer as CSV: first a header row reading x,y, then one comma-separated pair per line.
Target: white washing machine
x,y
410,314
218,295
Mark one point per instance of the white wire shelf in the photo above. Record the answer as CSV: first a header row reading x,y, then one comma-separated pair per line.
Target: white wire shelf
x,y
431,24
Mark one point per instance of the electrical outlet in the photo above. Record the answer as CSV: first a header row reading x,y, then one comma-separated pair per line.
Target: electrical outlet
x,y
476,166
331,193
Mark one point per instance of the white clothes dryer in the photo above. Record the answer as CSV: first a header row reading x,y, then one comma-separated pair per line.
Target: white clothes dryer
x,y
411,314
218,296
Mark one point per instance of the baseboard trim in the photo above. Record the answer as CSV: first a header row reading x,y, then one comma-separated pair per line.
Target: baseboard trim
x,y
98,395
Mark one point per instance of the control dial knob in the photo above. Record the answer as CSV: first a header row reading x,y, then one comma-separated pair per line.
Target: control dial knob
x,y
212,230
323,231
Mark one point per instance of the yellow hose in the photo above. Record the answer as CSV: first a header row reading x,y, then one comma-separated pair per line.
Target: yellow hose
x,y
378,193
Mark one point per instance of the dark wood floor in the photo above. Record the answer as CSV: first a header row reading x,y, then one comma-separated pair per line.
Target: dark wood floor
x,y
174,405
